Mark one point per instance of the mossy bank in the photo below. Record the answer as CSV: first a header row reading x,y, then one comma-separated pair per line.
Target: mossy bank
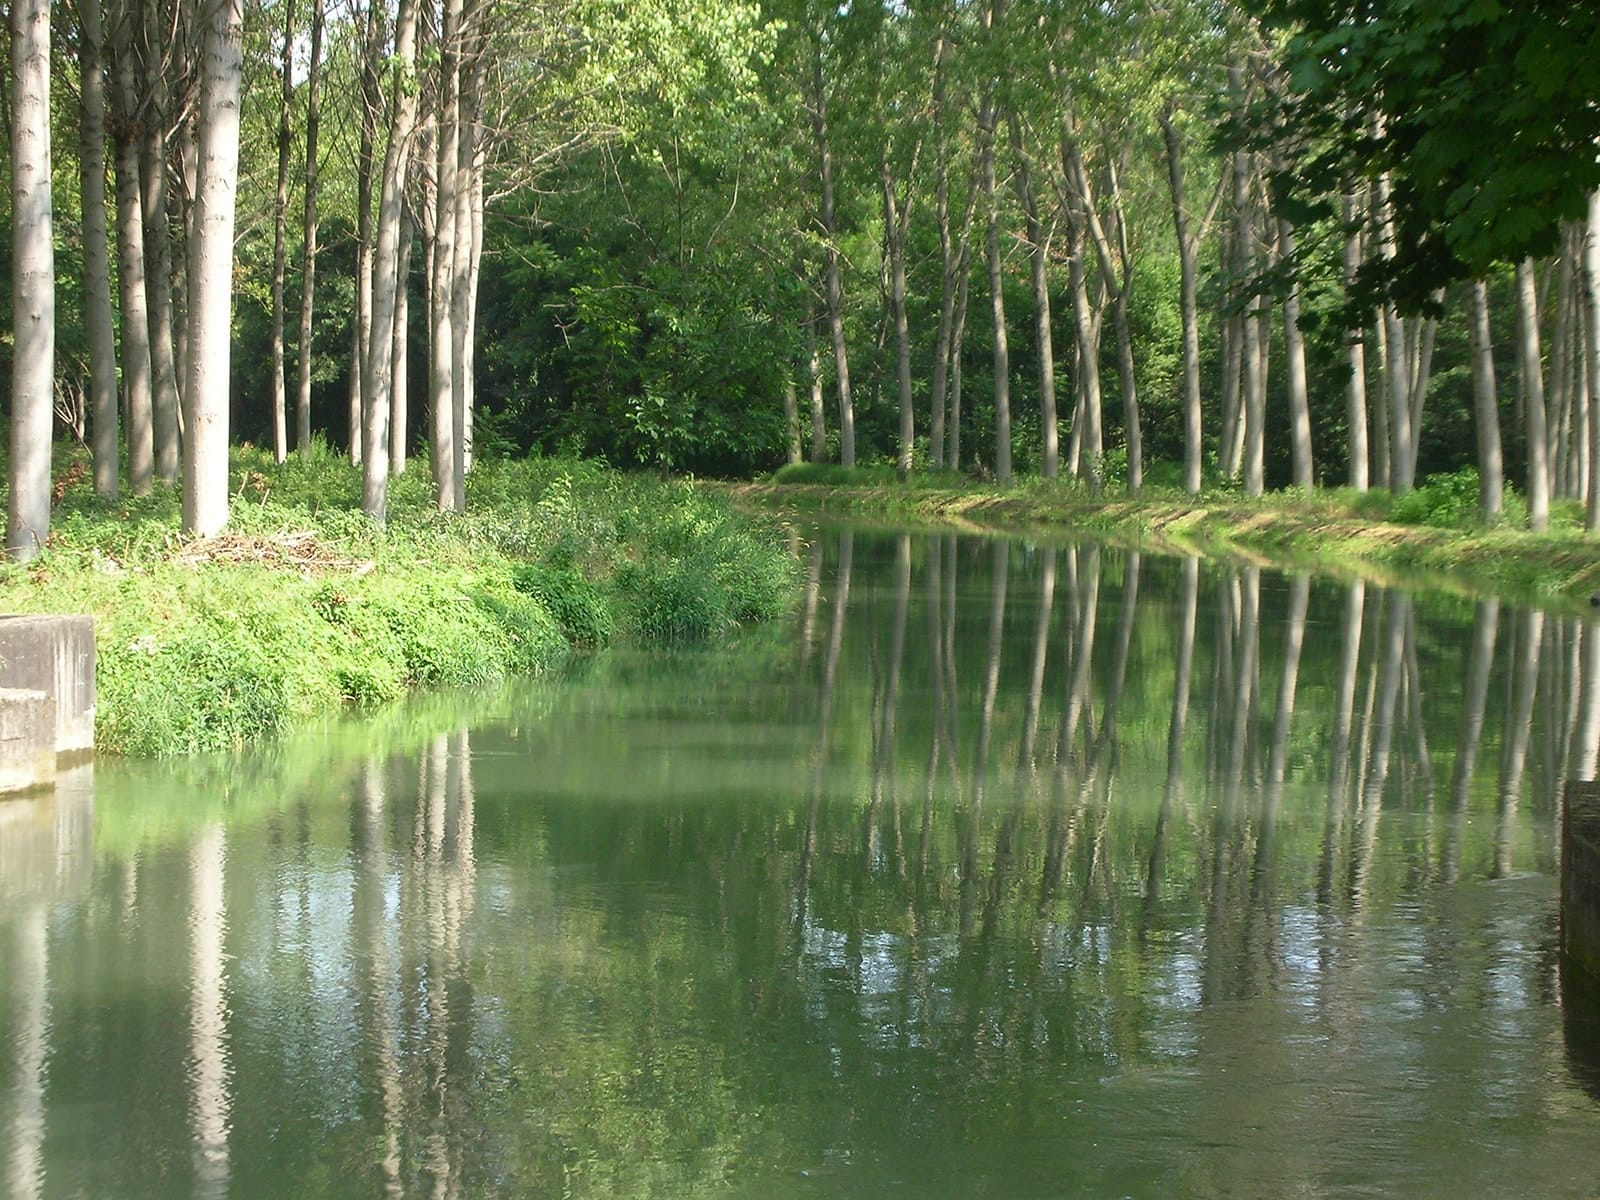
x,y
1430,537
305,604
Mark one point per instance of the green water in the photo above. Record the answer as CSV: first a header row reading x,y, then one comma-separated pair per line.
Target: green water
x,y
998,871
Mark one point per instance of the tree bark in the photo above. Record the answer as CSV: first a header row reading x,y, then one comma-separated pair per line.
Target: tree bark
x,y
96,255
819,419
1486,408
33,281
1253,378
441,389
1532,367
1038,263
895,219
205,493
1591,271
987,119
308,278
1356,355
280,239
157,245
131,293
361,327
378,370
834,286
1189,306
400,355
1295,356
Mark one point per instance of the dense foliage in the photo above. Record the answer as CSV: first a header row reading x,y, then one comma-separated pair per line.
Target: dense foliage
x,y
306,604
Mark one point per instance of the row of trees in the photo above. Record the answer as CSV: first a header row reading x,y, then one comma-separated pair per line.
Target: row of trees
x,y
703,213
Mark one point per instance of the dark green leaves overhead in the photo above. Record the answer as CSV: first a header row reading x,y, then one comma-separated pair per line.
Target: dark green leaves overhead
x,y
1483,115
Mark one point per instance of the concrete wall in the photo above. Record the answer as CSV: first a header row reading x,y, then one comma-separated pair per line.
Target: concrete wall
x,y
54,655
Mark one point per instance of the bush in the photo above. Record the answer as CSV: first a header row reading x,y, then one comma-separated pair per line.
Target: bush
x,y
1450,501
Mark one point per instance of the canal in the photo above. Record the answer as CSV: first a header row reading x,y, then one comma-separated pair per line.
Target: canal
x,y
1001,869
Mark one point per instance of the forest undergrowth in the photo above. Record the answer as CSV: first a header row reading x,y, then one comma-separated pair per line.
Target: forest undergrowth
x,y
305,604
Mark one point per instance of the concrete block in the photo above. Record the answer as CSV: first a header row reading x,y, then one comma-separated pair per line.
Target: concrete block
x,y
54,655
27,740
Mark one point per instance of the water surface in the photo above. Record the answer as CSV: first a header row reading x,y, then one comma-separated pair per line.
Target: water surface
x,y
999,870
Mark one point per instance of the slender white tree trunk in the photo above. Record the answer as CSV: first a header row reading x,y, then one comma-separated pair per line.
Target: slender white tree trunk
x,y
308,277
1038,255
1295,354
987,130
834,284
205,493
1591,271
280,238
378,370
441,389
399,414
130,257
894,234
1486,408
1532,364
158,50
1356,356
96,254
33,281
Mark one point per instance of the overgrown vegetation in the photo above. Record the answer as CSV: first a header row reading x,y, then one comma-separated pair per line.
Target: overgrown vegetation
x,y
306,604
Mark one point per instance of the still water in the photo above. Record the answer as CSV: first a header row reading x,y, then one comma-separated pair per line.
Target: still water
x,y
1000,870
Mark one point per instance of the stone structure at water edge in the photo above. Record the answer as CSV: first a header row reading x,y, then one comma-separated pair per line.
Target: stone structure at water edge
x,y
46,697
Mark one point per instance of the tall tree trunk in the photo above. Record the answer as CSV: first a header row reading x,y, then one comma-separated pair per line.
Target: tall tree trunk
x,y
469,60
1189,308
1402,455
96,253
441,389
131,292
33,281
834,286
474,273
1253,377
205,493
400,354
280,239
1486,408
819,419
1532,365
947,260
1591,272
958,333
1039,272
894,234
1090,443
1116,272
164,387
361,327
997,298
308,277
1038,263
378,370
1295,356
1356,356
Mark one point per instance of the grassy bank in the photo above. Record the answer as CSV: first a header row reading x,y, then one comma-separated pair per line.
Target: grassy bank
x,y
305,604
1429,538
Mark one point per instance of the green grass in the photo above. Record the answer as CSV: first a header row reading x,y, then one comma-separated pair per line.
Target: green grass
x,y
305,604
1432,537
